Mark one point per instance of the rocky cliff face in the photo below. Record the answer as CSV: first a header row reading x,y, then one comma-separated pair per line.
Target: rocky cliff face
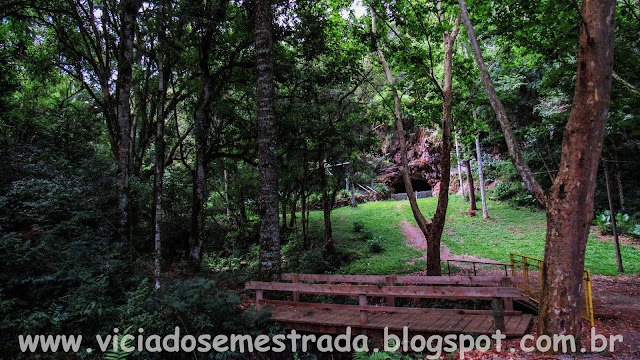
x,y
423,152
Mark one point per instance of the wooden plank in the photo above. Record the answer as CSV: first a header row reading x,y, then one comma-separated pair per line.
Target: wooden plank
x,y
453,321
371,279
428,323
419,323
482,262
511,322
524,325
439,325
438,292
474,326
464,322
448,324
379,309
488,326
397,321
453,280
407,280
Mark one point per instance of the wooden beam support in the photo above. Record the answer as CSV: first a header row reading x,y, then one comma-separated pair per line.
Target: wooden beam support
x,y
427,292
383,309
390,281
363,311
295,279
259,295
403,280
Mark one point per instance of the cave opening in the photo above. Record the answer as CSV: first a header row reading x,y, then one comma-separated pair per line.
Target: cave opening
x,y
418,185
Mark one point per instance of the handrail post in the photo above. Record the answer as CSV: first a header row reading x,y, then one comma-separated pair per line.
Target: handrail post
x,y
390,281
295,278
498,314
525,271
508,302
513,267
363,312
259,295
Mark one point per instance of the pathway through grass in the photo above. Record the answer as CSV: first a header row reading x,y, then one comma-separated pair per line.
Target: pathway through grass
x,y
508,230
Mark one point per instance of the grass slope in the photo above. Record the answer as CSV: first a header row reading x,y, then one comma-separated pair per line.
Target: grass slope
x,y
508,230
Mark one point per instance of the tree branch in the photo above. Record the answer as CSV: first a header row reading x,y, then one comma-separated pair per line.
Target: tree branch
x,y
501,114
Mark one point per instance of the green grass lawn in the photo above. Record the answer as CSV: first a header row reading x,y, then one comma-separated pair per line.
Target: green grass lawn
x,y
508,230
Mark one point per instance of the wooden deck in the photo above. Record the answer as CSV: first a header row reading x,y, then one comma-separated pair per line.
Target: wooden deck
x,y
431,322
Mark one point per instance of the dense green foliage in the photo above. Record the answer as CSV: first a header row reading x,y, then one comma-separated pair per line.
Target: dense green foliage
x,y
63,268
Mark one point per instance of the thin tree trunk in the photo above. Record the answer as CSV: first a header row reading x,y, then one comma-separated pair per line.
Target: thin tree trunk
x,y
350,189
292,215
485,212
432,231
270,257
326,204
569,205
160,150
303,199
128,14
226,194
459,167
417,214
437,225
196,239
501,114
472,189
619,183
285,200
614,225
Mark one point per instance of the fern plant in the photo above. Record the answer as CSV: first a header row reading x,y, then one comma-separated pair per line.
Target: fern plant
x,y
120,354
362,355
381,355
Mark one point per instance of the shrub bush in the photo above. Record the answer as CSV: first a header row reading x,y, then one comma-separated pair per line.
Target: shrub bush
x,y
376,244
624,224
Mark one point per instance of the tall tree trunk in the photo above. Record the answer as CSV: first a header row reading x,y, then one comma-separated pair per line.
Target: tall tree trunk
x,y
459,167
472,189
128,14
267,156
432,230
160,150
569,205
485,212
196,239
437,225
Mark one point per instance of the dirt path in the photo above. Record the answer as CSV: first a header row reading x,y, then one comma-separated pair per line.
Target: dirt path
x,y
416,240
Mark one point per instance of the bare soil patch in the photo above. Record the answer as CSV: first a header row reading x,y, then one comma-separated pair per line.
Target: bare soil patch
x,y
627,240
